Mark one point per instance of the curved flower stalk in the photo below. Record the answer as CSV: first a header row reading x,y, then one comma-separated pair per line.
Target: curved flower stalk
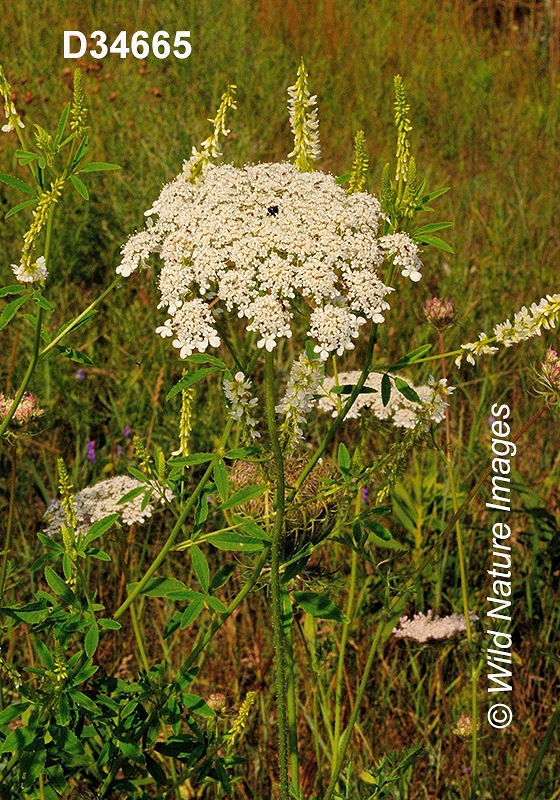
x,y
526,324
250,240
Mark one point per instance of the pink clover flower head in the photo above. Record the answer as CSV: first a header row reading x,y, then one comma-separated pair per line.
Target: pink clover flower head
x,y
25,412
439,313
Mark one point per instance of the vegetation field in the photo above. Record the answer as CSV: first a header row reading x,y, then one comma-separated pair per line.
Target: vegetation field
x,y
239,640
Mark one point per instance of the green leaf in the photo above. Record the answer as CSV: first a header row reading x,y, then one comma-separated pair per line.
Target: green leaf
x,y
230,540
62,124
73,355
44,654
385,389
98,166
42,302
221,478
59,586
74,324
161,587
432,228
91,640
126,498
243,496
12,712
11,310
196,705
20,207
216,604
406,390
243,453
380,530
348,388
14,288
155,770
435,241
343,178
79,153
203,358
200,566
189,380
25,157
344,460
10,180
410,358
191,612
318,605
83,700
438,192
222,576
79,186
196,458
109,624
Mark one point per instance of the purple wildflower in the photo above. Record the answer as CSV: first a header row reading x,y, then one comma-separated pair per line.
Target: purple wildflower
x,y
127,432
91,457
80,375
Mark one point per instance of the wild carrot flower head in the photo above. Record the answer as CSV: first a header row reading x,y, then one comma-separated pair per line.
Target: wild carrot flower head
x,y
250,240
98,501
425,627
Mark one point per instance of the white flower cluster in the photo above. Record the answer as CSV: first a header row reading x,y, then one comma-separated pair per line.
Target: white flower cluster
x,y
249,240
304,382
100,500
526,324
401,412
36,271
238,394
423,627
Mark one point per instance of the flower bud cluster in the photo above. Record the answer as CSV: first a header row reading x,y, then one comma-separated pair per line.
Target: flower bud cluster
x,y
304,383
439,313
237,391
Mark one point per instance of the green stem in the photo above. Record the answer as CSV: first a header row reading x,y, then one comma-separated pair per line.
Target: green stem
x,y
342,650
10,522
275,581
75,322
354,715
542,752
138,637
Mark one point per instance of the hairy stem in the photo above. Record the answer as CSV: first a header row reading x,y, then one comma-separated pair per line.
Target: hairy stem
x,y
275,581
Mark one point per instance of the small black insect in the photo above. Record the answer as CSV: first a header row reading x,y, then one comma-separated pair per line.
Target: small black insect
x,y
272,211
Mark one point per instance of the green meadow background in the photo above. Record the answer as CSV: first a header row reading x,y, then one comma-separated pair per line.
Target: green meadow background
x,y
483,84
